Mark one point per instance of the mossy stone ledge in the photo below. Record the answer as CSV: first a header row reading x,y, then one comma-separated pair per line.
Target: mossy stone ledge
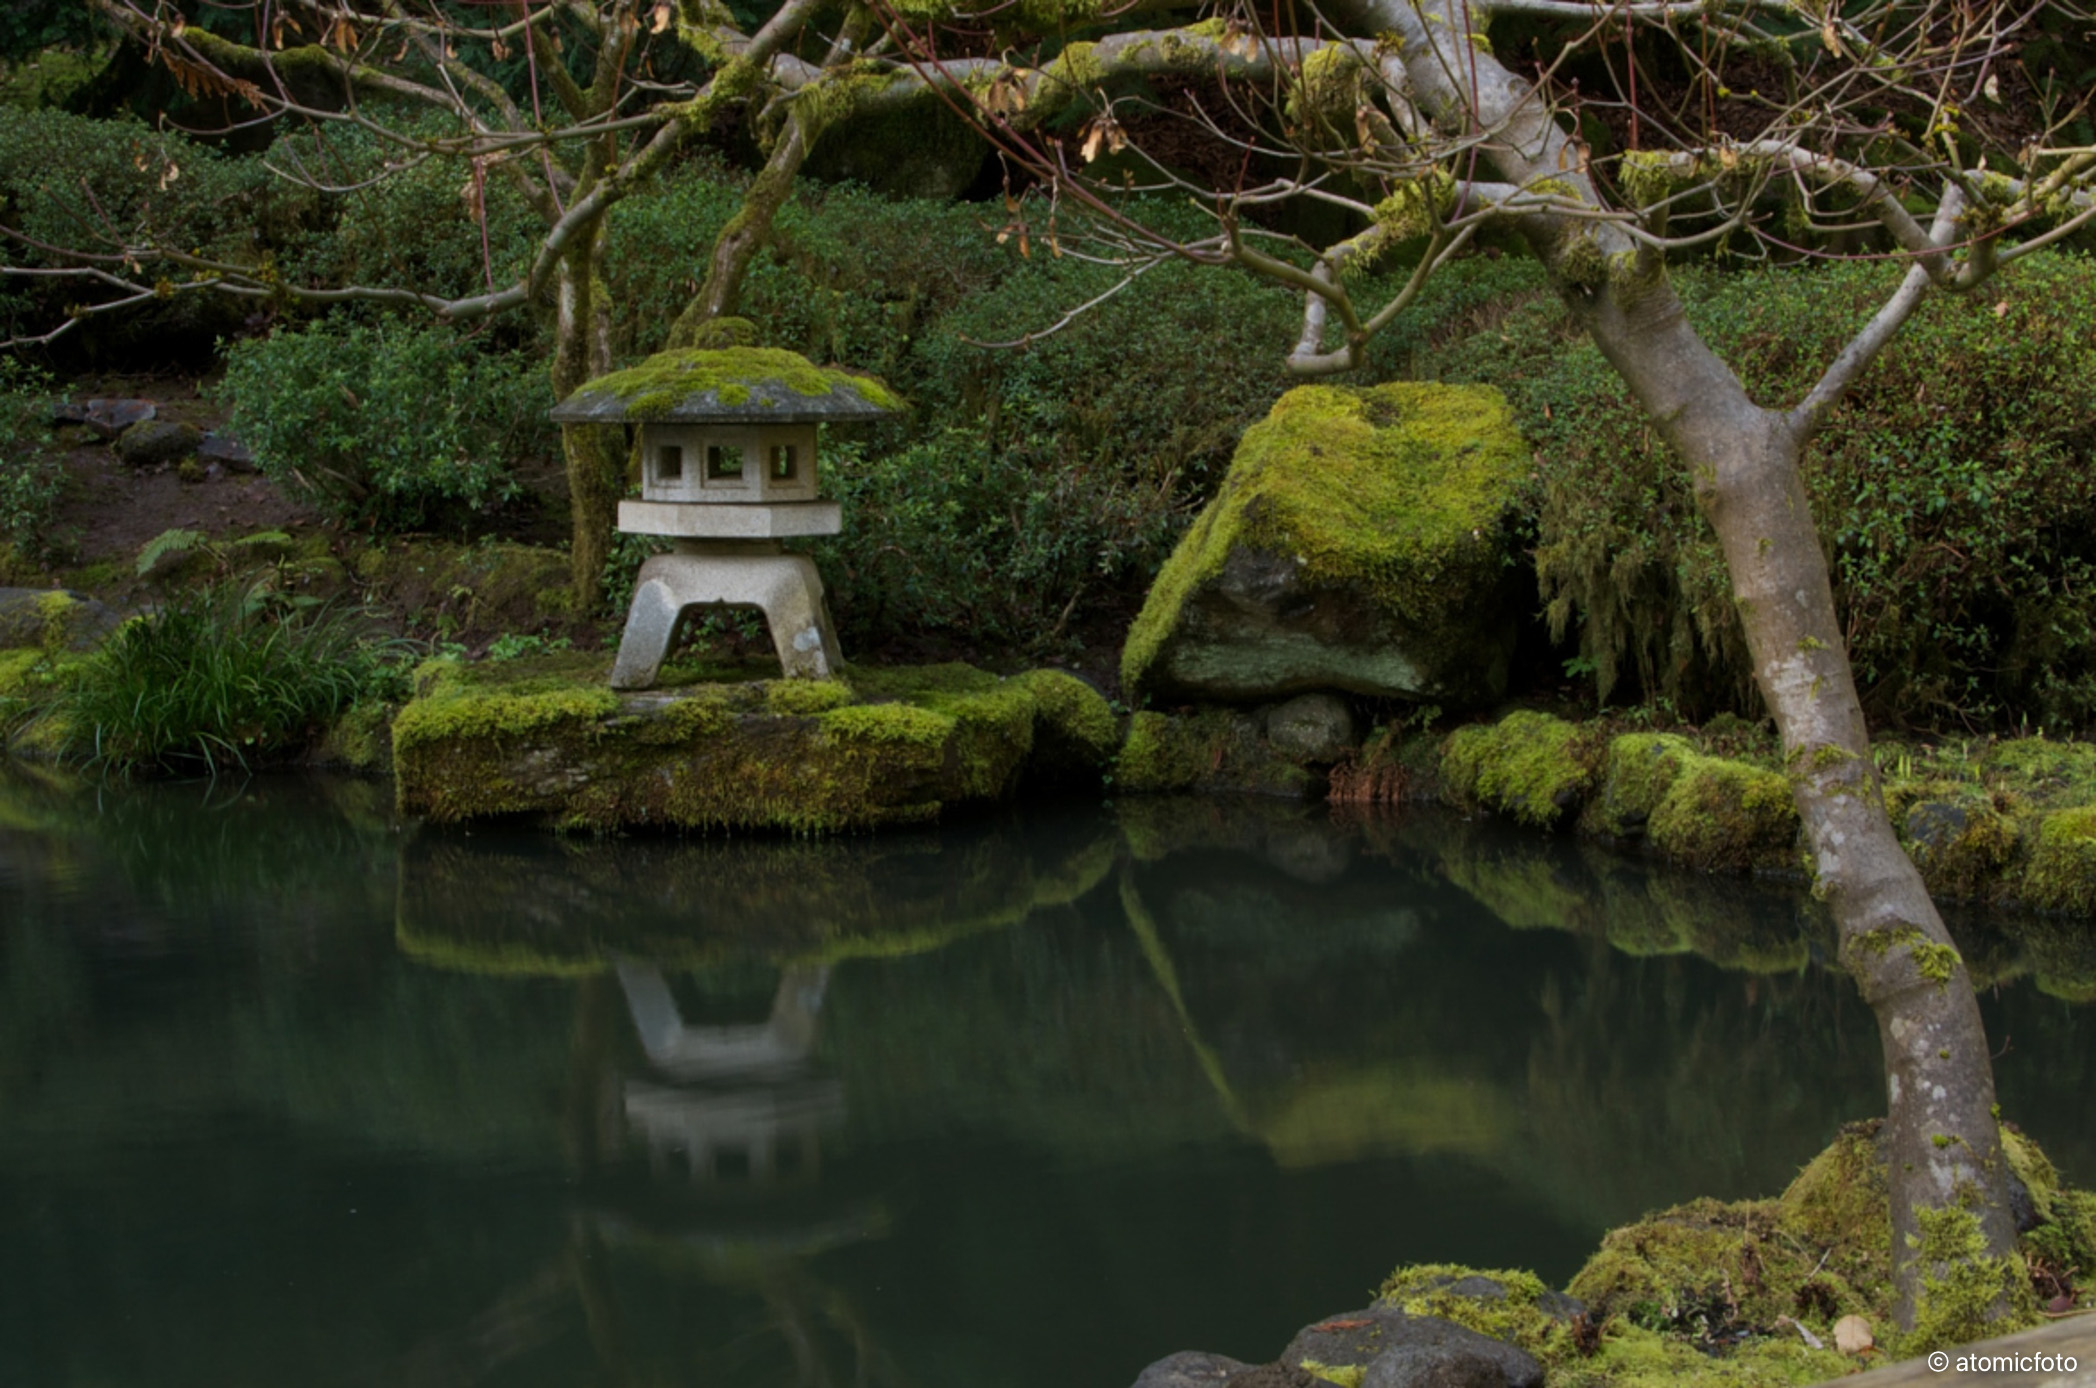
x,y
1357,544
548,739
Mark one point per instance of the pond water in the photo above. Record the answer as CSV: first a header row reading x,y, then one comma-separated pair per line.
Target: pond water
x,y
292,1093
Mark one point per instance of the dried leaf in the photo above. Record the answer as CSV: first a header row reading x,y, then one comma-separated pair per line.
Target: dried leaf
x,y
342,35
499,48
1852,1335
169,174
1093,138
660,19
1992,87
1238,41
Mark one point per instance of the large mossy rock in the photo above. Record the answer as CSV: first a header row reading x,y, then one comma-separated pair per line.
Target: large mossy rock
x,y
1357,543
552,740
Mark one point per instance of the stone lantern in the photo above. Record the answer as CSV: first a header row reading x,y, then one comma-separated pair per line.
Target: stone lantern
x,y
728,469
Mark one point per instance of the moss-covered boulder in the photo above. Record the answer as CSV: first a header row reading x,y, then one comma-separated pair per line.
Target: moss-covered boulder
x,y
549,739
1726,816
1357,543
52,620
1529,765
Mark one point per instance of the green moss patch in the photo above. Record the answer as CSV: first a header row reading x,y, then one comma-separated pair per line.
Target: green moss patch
x,y
1529,766
1076,734
1642,768
1212,750
2061,875
727,377
1726,816
1709,1271
548,738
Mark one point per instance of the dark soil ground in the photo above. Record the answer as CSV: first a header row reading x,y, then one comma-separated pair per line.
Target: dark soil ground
x,y
111,510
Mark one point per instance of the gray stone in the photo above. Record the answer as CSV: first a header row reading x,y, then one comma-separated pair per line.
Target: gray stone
x,y
787,587
1190,1368
107,417
50,617
1312,728
226,451
1465,1359
156,442
1421,1352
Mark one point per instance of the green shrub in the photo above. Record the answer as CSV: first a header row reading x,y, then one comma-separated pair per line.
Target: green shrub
x,y
218,678
1953,491
30,479
394,425
950,535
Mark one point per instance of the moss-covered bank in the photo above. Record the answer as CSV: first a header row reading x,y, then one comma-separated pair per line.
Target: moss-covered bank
x,y
1747,1294
548,738
2010,823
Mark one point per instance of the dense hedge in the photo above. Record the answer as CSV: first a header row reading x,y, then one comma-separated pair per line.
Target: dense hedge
x,y
1953,490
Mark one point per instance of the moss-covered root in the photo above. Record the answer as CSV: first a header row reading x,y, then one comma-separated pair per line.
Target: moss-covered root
x,y
1529,766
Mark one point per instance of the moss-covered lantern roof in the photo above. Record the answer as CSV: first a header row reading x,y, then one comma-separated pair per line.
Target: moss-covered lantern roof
x,y
735,385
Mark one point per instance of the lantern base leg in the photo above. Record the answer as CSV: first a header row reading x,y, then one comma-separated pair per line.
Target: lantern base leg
x,y
785,586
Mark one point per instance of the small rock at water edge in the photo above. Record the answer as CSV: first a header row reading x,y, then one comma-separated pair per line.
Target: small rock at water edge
x,y
1312,728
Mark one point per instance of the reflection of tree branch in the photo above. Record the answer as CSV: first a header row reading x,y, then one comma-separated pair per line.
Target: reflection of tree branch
x,y
521,1320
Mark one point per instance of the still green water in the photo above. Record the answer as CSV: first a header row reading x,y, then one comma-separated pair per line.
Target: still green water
x,y
292,1094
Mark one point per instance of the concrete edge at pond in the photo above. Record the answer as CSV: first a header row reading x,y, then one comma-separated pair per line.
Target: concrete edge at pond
x,y
2030,1359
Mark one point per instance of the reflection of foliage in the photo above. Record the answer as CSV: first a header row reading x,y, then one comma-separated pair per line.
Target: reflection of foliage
x,y
523,907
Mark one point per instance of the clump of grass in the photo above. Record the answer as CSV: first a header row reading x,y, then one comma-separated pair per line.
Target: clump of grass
x,y
221,678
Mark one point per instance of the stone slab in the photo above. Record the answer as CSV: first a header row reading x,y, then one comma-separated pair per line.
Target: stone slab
x,y
731,520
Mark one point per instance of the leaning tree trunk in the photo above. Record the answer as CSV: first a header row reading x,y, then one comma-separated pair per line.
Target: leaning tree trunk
x,y
1942,1140
744,235
595,454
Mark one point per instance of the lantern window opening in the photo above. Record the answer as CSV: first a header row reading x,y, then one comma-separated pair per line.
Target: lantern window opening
x,y
723,462
669,463
785,461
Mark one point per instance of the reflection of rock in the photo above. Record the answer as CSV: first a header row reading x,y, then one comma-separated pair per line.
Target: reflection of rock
x,y
1190,1368
1301,840
524,905
1385,1110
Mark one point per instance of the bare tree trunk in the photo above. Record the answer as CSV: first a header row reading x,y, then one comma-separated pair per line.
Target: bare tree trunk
x,y
595,454
1942,1140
